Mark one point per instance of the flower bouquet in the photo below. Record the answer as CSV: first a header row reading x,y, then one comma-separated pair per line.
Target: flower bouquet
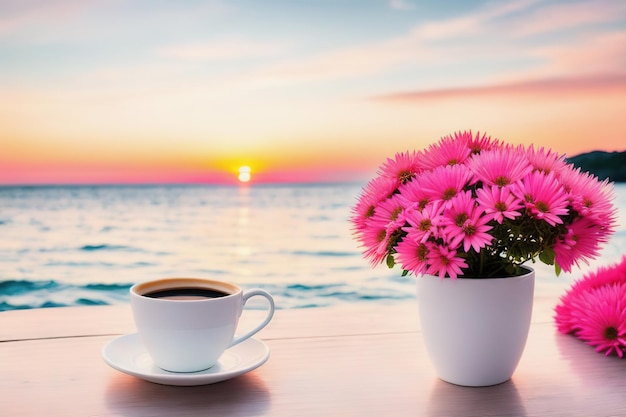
x,y
473,206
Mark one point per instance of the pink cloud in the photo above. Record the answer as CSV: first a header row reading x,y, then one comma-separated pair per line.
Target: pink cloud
x,y
542,87
557,17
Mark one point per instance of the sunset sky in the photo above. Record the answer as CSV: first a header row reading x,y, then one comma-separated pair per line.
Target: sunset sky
x,y
114,91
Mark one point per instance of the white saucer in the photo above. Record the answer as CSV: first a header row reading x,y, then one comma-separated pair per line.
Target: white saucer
x,y
127,354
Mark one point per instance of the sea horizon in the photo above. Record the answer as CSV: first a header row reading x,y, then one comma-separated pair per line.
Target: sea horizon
x,y
233,184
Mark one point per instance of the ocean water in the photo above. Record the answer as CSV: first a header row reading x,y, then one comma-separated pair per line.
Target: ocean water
x,y
85,245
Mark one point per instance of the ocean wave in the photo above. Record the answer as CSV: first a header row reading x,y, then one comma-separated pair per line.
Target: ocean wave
x,y
15,295
24,294
104,246
13,287
300,295
308,288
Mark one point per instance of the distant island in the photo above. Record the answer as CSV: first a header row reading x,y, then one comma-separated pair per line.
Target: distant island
x,y
611,165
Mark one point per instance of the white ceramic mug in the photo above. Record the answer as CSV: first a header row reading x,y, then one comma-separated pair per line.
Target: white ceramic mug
x,y
186,324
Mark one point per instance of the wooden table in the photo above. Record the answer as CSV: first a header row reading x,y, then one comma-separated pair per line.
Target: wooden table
x,y
364,360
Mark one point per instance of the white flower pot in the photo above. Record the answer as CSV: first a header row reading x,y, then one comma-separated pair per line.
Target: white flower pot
x,y
475,330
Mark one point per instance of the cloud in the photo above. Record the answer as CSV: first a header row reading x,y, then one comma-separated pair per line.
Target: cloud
x,y
497,44
542,87
563,16
225,49
511,41
477,22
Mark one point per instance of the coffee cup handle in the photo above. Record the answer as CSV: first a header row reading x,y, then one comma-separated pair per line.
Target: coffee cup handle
x,y
246,296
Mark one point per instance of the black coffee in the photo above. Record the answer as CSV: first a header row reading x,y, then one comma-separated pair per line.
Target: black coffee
x,y
186,294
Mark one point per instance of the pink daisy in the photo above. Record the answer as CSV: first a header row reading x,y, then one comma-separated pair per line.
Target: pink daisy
x,y
600,316
374,239
581,242
413,255
545,160
443,183
424,223
402,168
479,143
466,224
414,195
589,196
460,209
377,190
603,276
389,213
498,203
500,166
543,196
444,261
383,229
450,150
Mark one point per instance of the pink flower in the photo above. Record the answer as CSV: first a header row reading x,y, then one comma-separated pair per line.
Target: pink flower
x,y
594,309
543,196
589,197
600,318
423,223
374,240
443,260
479,143
389,213
414,195
450,150
381,229
501,166
443,183
498,203
459,210
581,242
377,190
412,255
472,205
465,223
545,160
402,168
602,276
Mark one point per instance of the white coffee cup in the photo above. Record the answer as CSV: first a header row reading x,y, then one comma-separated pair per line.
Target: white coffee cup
x,y
186,324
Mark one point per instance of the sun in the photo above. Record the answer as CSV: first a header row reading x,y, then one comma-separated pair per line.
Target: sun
x,y
244,173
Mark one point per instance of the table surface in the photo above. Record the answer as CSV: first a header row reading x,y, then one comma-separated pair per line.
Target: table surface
x,y
357,360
